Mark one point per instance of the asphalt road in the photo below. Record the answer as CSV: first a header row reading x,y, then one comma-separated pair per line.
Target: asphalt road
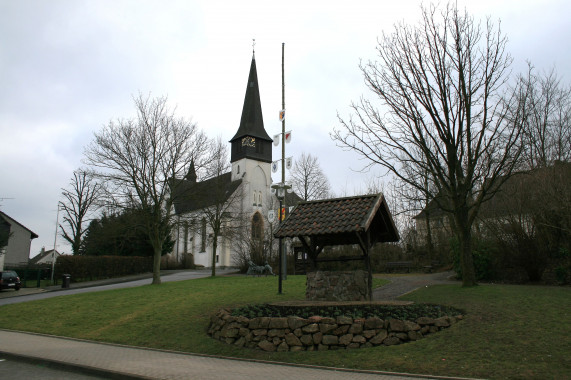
x,y
21,296
16,369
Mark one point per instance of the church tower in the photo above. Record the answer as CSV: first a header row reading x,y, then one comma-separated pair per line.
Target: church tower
x,y
251,148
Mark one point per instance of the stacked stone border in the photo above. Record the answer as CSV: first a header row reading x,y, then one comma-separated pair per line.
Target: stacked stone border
x,y
317,333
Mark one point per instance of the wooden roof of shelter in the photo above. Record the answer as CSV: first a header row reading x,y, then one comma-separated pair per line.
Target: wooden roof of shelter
x,y
363,220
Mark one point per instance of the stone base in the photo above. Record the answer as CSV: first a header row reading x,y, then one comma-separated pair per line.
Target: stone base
x,y
338,286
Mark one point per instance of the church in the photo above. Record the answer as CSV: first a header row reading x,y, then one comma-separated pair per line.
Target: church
x,y
237,202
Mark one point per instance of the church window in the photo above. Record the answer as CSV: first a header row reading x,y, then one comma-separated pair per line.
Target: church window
x,y
203,236
257,226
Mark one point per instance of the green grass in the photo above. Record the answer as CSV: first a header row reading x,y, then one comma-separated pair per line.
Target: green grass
x,y
508,331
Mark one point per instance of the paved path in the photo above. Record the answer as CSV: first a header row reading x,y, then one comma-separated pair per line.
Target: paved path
x,y
122,362
403,284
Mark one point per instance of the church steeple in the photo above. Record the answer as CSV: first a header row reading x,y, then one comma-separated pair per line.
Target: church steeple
x,y
251,140
191,175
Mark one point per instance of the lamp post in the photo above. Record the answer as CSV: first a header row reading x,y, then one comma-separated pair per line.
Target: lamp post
x,y
55,240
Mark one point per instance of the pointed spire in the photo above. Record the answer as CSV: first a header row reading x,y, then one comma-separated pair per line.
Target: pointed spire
x,y
251,122
191,176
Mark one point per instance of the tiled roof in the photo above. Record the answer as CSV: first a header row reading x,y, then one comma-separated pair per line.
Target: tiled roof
x,y
338,220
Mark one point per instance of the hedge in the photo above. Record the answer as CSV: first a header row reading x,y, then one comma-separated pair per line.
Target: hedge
x,y
97,267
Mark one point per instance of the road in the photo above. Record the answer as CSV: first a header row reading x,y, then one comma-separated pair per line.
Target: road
x,y
11,298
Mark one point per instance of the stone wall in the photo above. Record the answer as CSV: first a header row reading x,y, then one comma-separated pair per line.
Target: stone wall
x,y
338,286
317,333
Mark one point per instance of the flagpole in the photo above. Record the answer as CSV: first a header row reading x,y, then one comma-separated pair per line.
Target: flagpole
x,y
284,257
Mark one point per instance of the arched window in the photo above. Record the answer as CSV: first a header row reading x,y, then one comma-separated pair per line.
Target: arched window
x,y
203,236
257,226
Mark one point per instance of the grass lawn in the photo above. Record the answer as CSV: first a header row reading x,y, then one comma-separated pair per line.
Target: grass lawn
x,y
508,331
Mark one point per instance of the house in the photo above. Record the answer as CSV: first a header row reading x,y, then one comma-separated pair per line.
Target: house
x,y
44,257
522,198
17,252
240,198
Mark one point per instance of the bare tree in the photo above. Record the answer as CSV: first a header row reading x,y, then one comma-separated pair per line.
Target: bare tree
x,y
80,199
138,160
308,180
441,85
547,136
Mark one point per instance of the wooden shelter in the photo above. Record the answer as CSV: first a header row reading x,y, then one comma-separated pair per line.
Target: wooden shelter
x,y
361,220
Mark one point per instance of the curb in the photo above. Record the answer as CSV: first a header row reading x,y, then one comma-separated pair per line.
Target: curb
x,y
120,376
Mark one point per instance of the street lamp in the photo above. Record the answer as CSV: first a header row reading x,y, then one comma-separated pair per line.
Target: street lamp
x,y
280,190
59,205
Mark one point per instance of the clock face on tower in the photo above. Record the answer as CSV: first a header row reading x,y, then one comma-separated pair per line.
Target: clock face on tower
x,y
249,141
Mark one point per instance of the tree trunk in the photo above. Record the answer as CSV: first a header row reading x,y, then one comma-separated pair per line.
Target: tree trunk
x,y
157,265
466,258
214,246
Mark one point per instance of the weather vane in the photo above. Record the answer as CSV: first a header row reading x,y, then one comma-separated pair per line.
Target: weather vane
x,y
253,46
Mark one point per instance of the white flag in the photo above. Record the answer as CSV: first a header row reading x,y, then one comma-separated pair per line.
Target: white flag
x,y
274,166
277,139
288,137
271,216
288,163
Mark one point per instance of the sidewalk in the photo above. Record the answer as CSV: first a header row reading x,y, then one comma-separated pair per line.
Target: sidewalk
x,y
123,362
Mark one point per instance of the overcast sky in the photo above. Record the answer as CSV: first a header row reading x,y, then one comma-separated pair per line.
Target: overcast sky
x,y
67,67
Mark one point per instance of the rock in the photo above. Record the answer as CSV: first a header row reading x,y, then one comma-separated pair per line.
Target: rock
x,y
414,335
411,326
346,339
359,339
330,340
260,332
278,323
296,348
283,347
369,333
441,322
344,320
423,321
317,338
276,332
326,327
292,340
397,325
244,331
307,340
322,347
373,323
267,346
391,341
402,336
356,328
297,332
341,330
240,342
328,321
312,328
379,338
296,322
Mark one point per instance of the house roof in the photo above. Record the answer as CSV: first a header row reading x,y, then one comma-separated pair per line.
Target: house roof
x,y
252,122
42,255
338,221
10,220
191,196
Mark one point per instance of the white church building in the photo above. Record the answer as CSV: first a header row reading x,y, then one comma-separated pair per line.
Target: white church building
x,y
242,197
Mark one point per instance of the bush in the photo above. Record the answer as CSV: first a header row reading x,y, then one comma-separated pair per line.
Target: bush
x,y
483,253
96,267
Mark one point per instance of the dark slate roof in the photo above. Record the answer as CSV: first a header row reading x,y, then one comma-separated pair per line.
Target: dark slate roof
x,y
34,260
252,122
10,220
191,196
338,220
